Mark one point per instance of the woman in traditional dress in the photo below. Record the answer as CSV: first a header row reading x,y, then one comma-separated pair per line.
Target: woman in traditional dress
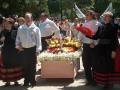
x,y
10,69
108,42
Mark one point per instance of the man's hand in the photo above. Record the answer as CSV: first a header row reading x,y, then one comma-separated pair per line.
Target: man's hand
x,y
92,45
54,37
20,48
37,53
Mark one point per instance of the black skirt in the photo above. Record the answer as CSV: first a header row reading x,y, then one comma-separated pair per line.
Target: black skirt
x,y
10,67
10,57
104,68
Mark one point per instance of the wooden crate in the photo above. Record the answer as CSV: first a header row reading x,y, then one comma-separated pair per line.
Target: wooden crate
x,y
59,69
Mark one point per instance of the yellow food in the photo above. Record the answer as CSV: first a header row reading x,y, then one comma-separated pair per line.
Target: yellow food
x,y
68,49
67,42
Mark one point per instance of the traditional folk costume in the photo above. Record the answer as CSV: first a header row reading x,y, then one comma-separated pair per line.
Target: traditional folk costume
x,y
108,42
116,75
10,68
117,61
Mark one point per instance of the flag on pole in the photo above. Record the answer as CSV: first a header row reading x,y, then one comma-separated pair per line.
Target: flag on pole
x,y
109,9
78,12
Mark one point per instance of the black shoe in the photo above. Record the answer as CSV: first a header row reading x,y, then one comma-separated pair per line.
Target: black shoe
x,y
7,85
26,84
93,84
105,87
33,84
16,84
87,84
108,86
90,84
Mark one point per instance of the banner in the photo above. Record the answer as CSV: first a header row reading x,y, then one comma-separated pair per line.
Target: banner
x,y
109,9
79,12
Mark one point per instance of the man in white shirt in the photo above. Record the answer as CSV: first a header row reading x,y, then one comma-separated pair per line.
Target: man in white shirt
x,y
89,48
28,41
48,29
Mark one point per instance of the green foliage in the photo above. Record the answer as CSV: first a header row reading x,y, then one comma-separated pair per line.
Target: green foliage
x,y
85,4
116,6
55,7
9,7
101,5
65,7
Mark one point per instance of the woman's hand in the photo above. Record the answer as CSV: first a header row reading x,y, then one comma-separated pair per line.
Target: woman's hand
x,y
113,54
2,39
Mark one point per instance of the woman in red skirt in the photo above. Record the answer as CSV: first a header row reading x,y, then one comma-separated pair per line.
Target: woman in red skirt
x,y
116,75
104,73
117,60
10,70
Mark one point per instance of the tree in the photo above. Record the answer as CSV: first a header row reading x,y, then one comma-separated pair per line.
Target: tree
x,y
10,7
54,6
36,7
101,5
65,7
116,6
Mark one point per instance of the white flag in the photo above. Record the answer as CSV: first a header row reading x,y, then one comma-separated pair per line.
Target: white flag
x,y
79,12
109,9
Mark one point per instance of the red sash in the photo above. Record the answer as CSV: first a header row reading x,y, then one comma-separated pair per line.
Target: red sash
x,y
85,30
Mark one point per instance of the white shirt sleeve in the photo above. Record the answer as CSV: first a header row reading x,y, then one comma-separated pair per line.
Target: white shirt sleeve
x,y
18,42
80,36
55,29
38,40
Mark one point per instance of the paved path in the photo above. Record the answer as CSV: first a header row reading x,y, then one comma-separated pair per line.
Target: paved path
x,y
58,84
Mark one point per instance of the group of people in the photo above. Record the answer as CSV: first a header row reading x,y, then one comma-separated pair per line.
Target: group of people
x,y
23,39
99,50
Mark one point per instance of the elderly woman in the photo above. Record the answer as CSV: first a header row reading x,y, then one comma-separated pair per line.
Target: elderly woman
x,y
108,42
10,69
